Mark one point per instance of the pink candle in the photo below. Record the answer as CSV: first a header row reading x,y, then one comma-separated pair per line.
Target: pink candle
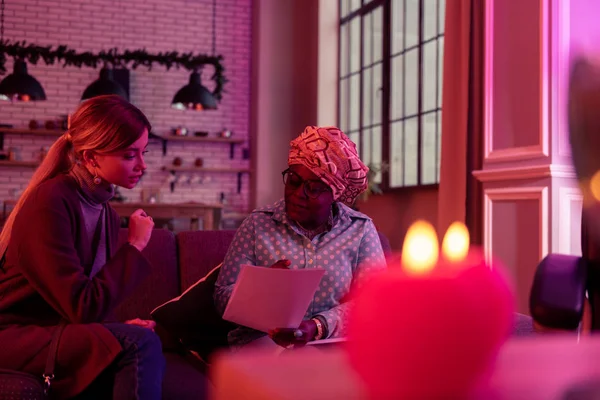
x,y
429,327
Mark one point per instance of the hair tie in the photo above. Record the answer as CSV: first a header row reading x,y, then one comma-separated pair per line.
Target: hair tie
x,y
68,136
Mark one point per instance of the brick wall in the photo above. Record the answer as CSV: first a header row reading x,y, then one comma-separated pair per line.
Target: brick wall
x,y
157,25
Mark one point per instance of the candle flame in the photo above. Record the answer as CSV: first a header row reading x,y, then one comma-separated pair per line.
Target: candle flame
x,y
455,245
420,250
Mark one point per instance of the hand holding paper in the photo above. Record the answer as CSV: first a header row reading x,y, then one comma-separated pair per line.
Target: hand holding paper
x,y
298,336
269,298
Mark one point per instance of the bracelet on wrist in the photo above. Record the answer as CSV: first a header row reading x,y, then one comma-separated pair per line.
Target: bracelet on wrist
x,y
319,334
325,326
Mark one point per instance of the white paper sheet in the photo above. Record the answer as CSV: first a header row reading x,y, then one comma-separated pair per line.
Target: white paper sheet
x,y
325,342
268,298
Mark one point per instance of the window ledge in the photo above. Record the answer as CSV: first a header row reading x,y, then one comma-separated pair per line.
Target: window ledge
x,y
409,189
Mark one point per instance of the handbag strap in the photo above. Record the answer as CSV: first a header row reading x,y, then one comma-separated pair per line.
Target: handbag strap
x,y
52,353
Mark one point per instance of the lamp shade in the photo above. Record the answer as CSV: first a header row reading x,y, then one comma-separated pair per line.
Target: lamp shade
x,y
105,84
194,96
20,85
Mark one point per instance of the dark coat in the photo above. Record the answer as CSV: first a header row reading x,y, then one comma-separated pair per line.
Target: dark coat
x,y
46,278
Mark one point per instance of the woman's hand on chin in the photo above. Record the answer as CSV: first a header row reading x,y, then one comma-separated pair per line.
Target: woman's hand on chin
x,y
144,323
286,337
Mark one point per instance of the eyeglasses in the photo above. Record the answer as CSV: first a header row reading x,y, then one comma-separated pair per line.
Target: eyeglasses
x,y
312,187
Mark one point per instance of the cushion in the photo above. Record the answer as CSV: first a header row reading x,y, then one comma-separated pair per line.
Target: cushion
x,y
199,252
163,282
193,319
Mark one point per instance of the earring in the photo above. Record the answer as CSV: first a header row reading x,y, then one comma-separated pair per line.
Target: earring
x,y
97,179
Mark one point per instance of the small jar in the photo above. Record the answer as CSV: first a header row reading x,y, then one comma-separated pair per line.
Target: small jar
x,y
225,133
180,131
12,154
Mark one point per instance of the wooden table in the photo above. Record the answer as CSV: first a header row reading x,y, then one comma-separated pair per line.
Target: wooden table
x,y
536,368
209,213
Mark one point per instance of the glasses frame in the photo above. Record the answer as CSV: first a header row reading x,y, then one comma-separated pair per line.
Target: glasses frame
x,y
304,182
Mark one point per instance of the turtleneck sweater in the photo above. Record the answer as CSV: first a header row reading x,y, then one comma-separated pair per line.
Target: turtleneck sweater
x,y
94,199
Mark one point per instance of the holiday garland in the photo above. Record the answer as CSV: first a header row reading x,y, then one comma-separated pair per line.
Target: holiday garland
x,y
126,58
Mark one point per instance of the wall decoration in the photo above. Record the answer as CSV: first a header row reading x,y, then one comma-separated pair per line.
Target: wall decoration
x,y
21,50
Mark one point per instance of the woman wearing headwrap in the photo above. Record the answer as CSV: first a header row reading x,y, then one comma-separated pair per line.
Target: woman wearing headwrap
x,y
312,227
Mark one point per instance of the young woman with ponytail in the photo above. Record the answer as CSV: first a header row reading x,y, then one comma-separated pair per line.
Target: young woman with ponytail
x,y
62,265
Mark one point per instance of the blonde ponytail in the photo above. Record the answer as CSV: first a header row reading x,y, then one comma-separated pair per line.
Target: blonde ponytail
x,y
57,160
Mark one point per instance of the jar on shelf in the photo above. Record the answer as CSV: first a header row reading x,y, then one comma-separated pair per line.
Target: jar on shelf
x,y
225,133
179,131
13,154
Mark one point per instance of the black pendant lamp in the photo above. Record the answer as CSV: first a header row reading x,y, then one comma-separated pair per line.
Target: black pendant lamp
x,y
194,96
20,86
105,84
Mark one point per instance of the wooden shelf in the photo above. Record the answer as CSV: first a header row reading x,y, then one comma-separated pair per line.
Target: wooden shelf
x,y
174,168
239,171
33,132
30,132
198,139
26,164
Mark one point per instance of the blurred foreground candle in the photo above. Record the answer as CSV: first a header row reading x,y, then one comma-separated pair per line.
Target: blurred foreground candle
x,y
430,328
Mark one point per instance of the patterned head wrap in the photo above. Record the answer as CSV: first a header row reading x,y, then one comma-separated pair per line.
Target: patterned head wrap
x,y
332,156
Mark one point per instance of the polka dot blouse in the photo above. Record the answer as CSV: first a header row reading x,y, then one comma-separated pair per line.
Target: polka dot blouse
x,y
347,252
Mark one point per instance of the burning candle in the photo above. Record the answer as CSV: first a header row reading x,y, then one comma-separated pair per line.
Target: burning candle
x,y
430,326
455,246
421,252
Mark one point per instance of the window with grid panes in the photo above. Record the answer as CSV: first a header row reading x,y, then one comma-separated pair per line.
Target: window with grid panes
x,y
390,86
